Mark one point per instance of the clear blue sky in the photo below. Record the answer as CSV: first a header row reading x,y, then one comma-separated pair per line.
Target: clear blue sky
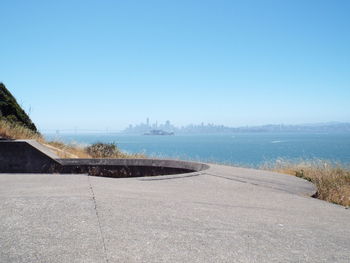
x,y
98,64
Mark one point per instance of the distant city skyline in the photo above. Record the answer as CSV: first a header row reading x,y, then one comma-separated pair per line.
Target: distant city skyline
x,y
105,64
147,126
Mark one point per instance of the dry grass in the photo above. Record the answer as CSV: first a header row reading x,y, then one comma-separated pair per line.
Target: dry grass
x,y
10,130
331,179
67,151
15,131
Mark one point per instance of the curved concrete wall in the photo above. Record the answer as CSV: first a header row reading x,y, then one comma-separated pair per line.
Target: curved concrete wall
x,y
137,162
28,156
129,167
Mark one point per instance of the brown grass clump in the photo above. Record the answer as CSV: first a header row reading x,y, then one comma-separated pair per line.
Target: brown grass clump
x,y
12,130
108,150
331,179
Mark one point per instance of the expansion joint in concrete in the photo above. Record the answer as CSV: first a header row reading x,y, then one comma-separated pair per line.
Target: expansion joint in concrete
x,y
247,182
98,219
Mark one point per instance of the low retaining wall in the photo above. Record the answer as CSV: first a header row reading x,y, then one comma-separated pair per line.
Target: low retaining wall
x,y
129,167
28,156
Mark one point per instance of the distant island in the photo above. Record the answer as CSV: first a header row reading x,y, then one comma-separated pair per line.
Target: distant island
x,y
158,132
169,129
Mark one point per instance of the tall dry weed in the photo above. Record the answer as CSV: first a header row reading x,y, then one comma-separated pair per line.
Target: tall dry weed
x,y
331,179
10,130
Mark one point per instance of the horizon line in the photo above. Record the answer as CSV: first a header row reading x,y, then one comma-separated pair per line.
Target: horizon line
x,y
108,130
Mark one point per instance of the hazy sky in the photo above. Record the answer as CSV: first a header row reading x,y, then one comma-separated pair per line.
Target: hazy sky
x,y
98,64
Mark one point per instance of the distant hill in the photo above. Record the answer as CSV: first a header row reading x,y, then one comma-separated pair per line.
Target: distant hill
x,y
11,111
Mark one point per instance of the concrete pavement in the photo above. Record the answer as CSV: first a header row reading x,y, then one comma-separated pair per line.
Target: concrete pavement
x,y
223,214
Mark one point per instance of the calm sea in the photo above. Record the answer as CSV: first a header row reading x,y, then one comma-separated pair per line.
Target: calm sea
x,y
243,149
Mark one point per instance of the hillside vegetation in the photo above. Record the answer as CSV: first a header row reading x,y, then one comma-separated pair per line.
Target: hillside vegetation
x,y
12,112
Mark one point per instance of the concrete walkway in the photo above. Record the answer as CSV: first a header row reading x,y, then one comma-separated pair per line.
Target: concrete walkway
x,y
223,214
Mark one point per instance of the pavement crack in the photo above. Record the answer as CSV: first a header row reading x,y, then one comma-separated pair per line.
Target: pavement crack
x,y
235,206
98,219
231,179
251,183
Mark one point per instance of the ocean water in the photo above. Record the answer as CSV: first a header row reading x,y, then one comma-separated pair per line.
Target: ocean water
x,y
248,149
